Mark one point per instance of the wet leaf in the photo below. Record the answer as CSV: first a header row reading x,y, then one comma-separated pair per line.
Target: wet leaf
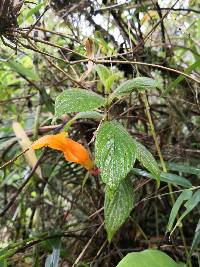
x,y
76,100
147,160
117,207
140,83
115,153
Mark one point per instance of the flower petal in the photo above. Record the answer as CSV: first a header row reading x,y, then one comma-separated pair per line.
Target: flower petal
x,y
57,141
75,152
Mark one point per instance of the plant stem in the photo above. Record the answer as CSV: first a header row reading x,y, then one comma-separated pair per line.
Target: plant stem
x,y
153,132
36,124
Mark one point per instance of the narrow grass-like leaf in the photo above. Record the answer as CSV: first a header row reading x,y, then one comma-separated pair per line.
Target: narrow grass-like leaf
x,y
22,70
185,195
189,205
175,179
117,207
114,153
180,78
165,177
76,100
196,239
53,259
3,263
183,168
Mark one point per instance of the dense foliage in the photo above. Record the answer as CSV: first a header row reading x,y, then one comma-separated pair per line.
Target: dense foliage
x,y
120,81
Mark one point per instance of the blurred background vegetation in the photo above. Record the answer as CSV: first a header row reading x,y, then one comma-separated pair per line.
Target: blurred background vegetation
x,y
45,46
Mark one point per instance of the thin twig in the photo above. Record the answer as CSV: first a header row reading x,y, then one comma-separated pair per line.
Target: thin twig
x,y
99,61
87,245
14,159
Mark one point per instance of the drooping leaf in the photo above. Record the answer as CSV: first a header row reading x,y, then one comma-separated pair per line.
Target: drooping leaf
x,y
25,143
147,160
183,168
181,77
196,239
189,205
185,195
140,83
89,45
149,257
22,70
76,100
175,179
165,177
117,207
115,153
53,259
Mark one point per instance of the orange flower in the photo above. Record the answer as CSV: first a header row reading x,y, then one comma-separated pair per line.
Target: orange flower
x,y
72,150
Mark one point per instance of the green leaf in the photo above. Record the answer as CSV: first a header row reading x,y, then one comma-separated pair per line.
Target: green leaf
x,y
166,177
19,68
34,10
115,153
36,258
103,73
117,207
189,205
109,82
3,262
53,259
31,12
180,78
75,100
175,179
181,264
88,115
140,83
5,253
183,168
106,77
185,195
196,239
147,160
149,257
